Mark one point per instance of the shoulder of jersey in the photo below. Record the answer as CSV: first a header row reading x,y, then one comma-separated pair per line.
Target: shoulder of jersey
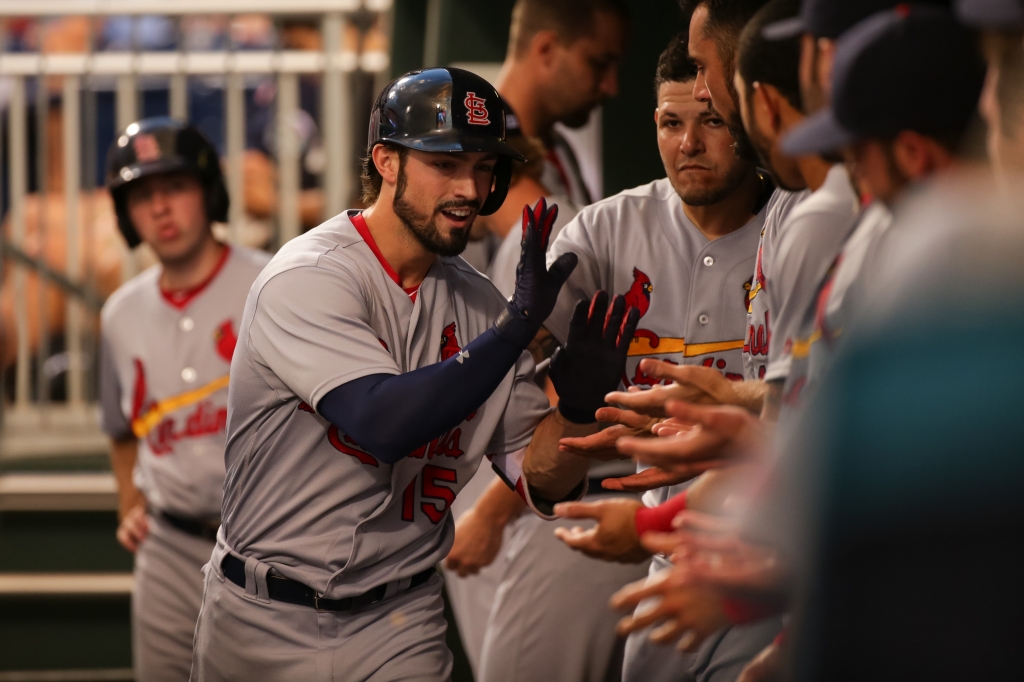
x,y
653,194
475,280
130,291
333,235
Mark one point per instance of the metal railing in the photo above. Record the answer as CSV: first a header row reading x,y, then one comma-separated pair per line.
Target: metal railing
x,y
32,424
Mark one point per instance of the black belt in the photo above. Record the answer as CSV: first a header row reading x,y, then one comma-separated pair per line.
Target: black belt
x,y
292,592
201,529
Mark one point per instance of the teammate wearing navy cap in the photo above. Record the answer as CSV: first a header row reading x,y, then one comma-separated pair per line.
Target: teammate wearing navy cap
x,y
374,371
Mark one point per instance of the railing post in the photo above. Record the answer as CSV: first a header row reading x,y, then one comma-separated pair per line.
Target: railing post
x,y
72,195
234,121
18,171
127,106
335,120
287,157
42,228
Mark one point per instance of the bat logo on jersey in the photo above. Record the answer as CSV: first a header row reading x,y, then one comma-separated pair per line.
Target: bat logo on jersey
x,y
224,339
476,110
154,420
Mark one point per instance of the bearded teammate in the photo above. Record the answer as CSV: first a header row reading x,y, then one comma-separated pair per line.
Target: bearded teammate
x,y
167,340
374,371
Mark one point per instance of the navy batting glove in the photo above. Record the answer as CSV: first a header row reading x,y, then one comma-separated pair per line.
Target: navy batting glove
x,y
537,286
594,357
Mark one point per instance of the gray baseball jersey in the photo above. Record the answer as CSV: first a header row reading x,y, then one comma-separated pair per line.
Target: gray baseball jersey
x,y
838,299
164,376
691,291
759,305
300,495
812,236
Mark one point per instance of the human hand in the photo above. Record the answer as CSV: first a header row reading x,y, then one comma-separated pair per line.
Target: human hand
x,y
594,356
537,286
477,543
614,538
690,383
767,666
133,529
698,438
687,612
601,445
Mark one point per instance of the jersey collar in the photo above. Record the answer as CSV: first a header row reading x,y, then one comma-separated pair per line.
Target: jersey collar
x,y
364,231
180,298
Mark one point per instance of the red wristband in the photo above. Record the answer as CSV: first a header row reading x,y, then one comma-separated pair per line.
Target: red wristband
x,y
659,519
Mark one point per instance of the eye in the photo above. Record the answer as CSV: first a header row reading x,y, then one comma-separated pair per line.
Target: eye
x,y
444,165
714,122
485,167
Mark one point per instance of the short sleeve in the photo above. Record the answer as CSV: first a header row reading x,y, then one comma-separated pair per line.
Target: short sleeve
x,y
584,281
113,421
311,328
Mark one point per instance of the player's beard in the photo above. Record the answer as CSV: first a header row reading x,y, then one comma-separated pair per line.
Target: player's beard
x,y
763,147
711,195
424,227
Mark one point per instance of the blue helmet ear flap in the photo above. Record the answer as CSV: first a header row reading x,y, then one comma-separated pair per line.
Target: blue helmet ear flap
x,y
502,182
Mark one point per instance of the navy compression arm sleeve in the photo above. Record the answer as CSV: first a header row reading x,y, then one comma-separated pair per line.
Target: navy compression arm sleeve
x,y
390,416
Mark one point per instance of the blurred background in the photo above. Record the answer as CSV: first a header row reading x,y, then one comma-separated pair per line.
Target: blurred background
x,y
283,88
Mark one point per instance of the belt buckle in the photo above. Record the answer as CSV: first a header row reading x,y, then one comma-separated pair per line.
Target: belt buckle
x,y
316,603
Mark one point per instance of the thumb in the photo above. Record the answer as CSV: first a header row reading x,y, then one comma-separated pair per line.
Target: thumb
x,y
578,510
562,268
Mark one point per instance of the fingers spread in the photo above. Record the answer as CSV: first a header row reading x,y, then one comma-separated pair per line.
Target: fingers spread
x,y
613,322
598,312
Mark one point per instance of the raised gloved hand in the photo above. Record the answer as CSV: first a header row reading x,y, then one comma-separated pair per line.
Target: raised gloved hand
x,y
537,286
594,357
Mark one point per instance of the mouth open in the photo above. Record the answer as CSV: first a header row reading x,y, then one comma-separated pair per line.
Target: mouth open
x,y
459,216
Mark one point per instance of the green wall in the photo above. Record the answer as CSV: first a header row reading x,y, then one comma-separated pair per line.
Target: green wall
x,y
473,31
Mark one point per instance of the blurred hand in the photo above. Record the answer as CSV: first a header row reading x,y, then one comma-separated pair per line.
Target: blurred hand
x,y
133,528
687,612
601,445
477,543
691,383
767,666
711,551
697,438
614,538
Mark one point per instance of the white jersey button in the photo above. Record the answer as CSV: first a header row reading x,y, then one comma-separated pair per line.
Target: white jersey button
x,y
709,261
703,319
188,375
186,324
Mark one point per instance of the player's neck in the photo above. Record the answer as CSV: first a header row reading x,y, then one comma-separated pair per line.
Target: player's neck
x,y
403,253
517,88
814,170
192,271
730,214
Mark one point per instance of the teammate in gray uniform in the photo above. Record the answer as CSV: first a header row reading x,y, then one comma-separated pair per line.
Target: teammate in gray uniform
x,y
682,249
374,372
167,340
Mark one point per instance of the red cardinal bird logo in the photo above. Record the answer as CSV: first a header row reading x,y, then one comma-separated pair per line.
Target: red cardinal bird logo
x,y
449,342
224,340
639,297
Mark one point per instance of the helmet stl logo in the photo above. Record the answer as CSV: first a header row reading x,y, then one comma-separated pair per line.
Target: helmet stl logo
x,y
146,147
476,110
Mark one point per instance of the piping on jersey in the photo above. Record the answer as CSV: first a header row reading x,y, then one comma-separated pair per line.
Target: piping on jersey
x,y
145,422
643,346
802,347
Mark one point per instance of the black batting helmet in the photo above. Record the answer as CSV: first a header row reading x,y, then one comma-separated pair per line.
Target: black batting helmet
x,y
446,110
163,145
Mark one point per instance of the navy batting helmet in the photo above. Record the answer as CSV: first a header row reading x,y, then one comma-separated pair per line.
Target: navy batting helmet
x,y
446,110
163,145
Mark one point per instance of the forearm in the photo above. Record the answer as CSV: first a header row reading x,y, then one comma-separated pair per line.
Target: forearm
x,y
552,474
772,401
750,394
122,461
499,505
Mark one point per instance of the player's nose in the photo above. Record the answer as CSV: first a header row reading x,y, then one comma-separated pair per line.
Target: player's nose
x,y
701,93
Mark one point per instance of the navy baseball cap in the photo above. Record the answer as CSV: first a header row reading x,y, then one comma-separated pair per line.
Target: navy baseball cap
x,y
831,18
909,68
996,14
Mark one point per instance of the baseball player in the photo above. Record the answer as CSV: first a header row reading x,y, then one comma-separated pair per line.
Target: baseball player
x,y
694,232
374,371
168,336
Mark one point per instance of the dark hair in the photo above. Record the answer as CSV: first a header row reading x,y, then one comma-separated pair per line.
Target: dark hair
x,y
570,19
370,177
726,19
771,62
674,64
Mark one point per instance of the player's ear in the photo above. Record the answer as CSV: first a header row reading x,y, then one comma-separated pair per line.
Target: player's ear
x,y
386,160
543,46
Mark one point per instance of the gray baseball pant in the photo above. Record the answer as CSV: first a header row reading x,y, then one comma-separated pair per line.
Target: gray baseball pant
x,y
551,619
242,635
165,602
